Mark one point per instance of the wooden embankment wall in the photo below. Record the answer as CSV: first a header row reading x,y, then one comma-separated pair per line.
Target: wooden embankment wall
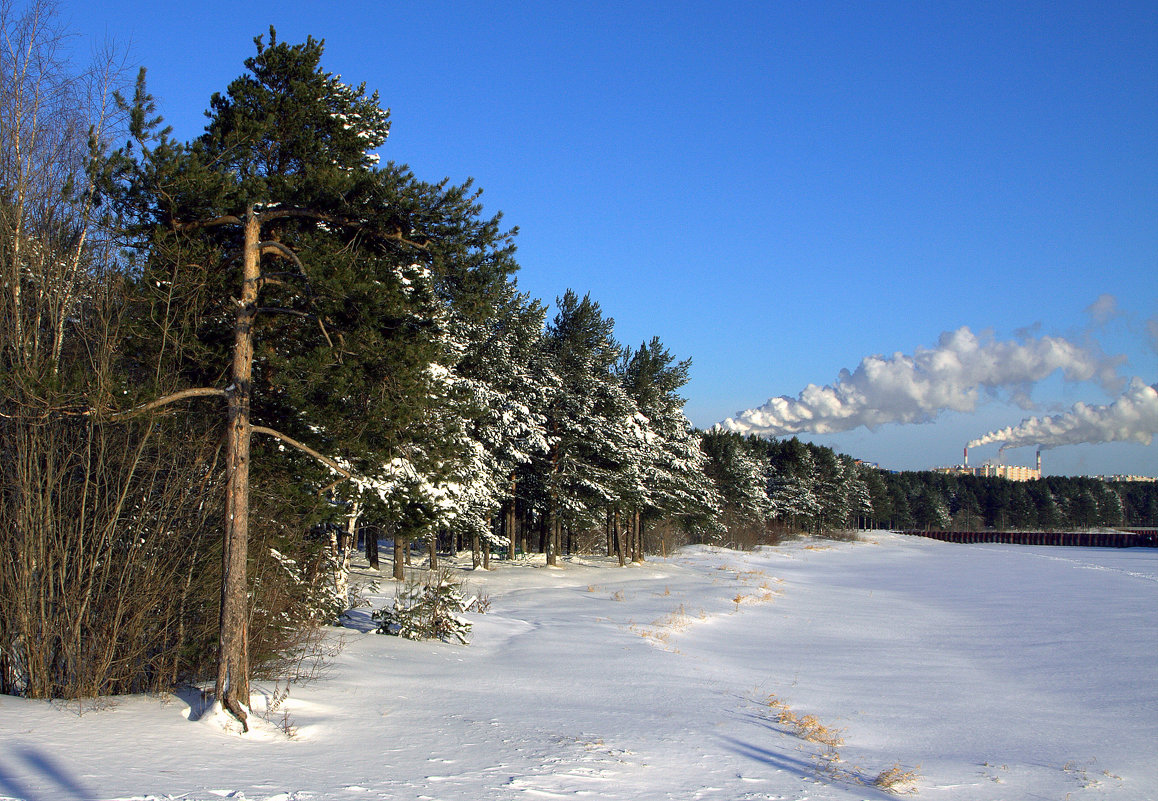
x,y
1125,538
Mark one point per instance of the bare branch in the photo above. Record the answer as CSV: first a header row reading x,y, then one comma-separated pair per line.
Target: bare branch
x,y
278,310
326,334
278,249
225,219
274,214
278,214
267,281
306,449
197,392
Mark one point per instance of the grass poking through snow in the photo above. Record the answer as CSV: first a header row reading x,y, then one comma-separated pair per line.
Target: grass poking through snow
x,y
829,764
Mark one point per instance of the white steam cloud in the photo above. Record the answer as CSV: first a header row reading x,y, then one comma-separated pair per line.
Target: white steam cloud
x,y
1104,309
1131,418
914,389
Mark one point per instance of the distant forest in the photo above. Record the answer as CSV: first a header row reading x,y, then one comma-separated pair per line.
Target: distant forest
x,y
811,488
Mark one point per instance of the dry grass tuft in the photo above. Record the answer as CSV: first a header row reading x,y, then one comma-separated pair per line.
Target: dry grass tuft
x,y
811,729
764,596
677,620
897,779
829,765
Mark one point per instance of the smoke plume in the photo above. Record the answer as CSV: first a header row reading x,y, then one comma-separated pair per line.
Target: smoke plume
x,y
1131,418
915,388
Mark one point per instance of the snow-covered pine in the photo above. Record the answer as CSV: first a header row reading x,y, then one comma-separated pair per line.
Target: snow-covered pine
x,y
504,386
740,476
427,610
675,485
594,460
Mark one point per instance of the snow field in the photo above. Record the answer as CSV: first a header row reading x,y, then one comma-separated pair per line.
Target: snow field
x,y
997,672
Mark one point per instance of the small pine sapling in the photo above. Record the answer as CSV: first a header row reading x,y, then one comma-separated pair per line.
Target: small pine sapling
x,y
427,610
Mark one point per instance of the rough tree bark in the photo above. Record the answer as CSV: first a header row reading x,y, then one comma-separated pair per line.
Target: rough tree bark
x,y
400,548
233,640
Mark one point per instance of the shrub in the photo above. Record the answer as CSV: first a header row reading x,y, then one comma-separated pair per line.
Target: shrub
x,y
427,610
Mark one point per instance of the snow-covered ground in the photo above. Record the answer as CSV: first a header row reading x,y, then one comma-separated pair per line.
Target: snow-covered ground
x,y
998,672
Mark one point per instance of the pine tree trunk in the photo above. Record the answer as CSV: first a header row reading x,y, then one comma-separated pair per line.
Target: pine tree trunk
x,y
511,518
372,549
232,686
619,541
638,557
433,551
608,530
552,534
399,558
553,509
341,543
475,556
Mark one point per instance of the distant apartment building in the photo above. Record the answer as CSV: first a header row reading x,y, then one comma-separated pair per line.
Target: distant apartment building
x,y
1007,471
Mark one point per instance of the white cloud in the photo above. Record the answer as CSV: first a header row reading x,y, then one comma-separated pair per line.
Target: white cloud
x,y
954,376
1131,418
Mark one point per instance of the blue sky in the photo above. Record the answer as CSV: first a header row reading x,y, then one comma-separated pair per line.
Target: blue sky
x,y
777,190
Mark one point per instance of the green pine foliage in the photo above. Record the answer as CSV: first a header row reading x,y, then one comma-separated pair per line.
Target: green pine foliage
x,y
368,272
429,609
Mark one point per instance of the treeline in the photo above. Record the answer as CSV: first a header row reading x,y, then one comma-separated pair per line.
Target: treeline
x,y
969,503
773,486
225,363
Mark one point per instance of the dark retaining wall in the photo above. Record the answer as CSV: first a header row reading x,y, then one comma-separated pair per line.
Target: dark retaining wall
x,y
1128,538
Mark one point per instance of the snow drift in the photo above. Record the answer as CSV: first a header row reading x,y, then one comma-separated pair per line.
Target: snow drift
x,y
1003,671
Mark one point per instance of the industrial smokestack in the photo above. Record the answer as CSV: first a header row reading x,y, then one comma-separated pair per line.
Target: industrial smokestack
x,y
966,456
1039,462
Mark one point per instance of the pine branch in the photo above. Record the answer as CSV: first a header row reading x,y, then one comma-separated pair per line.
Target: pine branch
x,y
196,392
196,225
306,449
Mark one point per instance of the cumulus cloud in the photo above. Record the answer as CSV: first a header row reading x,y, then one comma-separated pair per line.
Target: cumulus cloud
x,y
916,388
1131,418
